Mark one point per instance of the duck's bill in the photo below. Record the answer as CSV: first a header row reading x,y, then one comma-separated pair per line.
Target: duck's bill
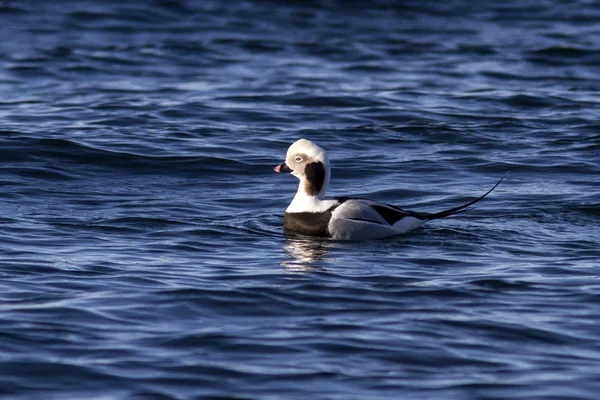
x,y
283,167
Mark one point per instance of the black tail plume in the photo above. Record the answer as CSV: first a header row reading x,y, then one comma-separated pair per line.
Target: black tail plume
x,y
456,210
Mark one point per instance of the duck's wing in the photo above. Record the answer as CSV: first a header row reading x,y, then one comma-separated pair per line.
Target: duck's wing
x,y
361,219
358,219
364,210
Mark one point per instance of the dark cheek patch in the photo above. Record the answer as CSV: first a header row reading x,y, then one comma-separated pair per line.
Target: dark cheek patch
x,y
315,178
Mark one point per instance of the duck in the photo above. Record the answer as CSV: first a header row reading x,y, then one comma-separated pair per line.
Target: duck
x,y
344,218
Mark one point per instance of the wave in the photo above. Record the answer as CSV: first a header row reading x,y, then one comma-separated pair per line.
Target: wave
x,y
65,152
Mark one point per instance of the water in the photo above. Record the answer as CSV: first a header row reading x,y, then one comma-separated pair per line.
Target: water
x,y
141,245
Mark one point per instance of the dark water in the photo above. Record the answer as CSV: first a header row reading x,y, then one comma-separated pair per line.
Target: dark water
x,y
141,245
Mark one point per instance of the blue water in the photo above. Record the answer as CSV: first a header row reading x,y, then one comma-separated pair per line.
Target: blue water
x,y
141,246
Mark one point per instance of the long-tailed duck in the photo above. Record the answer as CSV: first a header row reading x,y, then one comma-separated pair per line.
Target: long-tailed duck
x,y
344,217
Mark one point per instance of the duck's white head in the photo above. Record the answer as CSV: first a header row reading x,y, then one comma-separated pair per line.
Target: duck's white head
x,y
309,163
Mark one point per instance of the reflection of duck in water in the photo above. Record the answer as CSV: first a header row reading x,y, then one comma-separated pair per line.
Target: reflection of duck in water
x,y
345,217
305,254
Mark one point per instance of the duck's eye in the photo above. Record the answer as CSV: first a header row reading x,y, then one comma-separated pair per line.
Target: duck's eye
x,y
298,159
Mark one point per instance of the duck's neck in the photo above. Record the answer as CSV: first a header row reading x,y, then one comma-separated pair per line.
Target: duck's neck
x,y
303,202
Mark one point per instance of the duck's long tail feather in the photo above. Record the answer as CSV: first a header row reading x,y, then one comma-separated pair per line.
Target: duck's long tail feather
x,y
455,210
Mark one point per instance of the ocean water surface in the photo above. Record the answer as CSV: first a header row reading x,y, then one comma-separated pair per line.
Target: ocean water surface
x,y
142,254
